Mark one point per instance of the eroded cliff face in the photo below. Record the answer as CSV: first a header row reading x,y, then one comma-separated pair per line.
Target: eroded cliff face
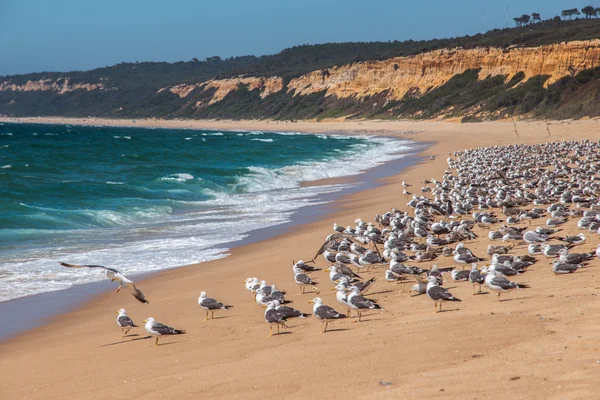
x,y
430,70
416,74
61,86
266,86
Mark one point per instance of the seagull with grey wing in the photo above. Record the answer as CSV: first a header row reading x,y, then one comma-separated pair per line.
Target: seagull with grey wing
x,y
157,329
124,322
499,284
211,305
114,275
325,313
274,316
360,303
437,293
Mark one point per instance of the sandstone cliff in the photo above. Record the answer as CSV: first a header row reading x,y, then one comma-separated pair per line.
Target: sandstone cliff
x,y
417,74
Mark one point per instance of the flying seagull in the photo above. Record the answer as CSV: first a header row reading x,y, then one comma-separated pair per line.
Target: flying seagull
x,y
114,275
211,305
124,322
157,329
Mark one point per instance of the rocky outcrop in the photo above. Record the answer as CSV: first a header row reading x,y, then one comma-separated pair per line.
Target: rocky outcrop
x,y
61,86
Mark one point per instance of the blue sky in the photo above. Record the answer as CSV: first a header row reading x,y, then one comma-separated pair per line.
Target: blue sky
x,y
64,35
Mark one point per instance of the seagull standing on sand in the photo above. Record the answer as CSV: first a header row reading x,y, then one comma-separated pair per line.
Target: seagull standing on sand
x,y
359,303
211,305
157,329
324,313
274,316
499,284
114,275
124,322
437,293
302,279
341,296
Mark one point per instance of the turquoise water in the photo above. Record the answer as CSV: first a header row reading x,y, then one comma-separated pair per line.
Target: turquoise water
x,y
143,199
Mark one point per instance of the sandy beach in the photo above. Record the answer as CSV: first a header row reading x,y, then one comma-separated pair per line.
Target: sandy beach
x,y
539,343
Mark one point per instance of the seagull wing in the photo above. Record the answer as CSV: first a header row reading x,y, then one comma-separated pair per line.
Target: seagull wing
x,y
137,293
64,264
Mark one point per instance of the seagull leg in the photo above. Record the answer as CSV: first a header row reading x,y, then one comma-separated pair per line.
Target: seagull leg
x,y
206,318
156,342
270,330
435,305
302,289
440,306
212,315
119,288
498,301
325,327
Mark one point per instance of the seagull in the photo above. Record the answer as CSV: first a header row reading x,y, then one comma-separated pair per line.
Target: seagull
x,y
157,329
363,287
289,312
559,267
475,277
304,267
574,240
124,322
324,313
500,284
114,275
437,293
210,305
359,303
531,237
342,297
274,316
460,275
574,258
302,279
420,287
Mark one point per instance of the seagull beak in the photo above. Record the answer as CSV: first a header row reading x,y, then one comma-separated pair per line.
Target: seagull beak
x,y
333,289
117,313
144,321
264,306
310,301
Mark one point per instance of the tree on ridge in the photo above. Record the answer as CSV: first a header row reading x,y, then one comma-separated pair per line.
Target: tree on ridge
x,y
589,12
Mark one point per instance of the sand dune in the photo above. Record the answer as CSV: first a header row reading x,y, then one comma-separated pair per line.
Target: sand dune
x,y
538,343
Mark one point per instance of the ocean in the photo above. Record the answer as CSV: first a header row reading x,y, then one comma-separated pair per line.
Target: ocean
x,y
143,199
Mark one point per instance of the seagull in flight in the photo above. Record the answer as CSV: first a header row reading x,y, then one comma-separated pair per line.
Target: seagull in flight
x,y
114,275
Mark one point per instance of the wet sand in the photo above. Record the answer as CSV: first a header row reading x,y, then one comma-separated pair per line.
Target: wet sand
x,y
538,343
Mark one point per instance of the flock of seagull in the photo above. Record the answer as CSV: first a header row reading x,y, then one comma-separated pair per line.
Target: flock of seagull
x,y
499,189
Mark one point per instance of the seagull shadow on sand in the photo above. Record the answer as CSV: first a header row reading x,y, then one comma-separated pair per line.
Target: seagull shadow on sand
x,y
126,341
170,343
516,298
380,292
449,310
337,330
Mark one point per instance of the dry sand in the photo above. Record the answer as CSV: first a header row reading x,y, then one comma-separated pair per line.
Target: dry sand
x,y
541,342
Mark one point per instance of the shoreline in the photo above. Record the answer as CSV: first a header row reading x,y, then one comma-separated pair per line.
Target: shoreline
x,y
231,358
45,306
